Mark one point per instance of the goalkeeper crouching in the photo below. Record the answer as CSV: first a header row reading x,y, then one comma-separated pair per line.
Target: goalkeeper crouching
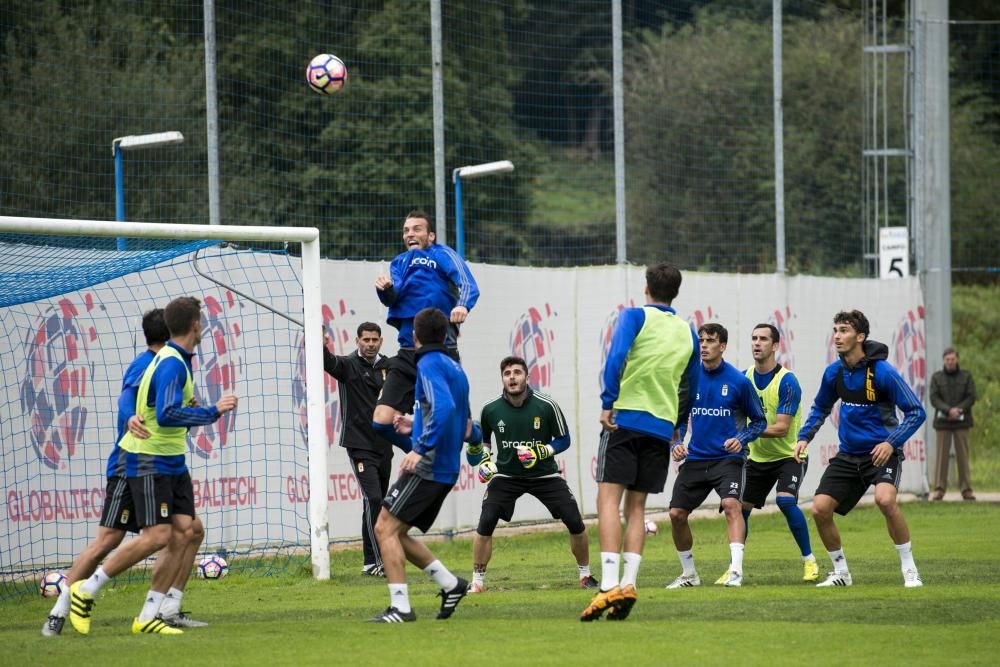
x,y
530,429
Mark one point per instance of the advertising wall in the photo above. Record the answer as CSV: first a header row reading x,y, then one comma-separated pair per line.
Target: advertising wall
x,y
62,361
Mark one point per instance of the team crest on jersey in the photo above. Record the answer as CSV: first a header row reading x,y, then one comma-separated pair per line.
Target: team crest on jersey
x,y
164,510
725,390
361,466
124,518
538,423
500,426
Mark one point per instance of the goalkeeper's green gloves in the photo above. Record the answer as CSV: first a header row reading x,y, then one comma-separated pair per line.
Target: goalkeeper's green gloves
x,y
529,456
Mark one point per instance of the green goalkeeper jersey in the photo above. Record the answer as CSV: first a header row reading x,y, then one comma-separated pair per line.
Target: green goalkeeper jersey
x,y
538,421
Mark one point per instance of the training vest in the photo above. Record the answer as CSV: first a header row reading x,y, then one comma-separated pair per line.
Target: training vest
x,y
655,365
162,440
765,450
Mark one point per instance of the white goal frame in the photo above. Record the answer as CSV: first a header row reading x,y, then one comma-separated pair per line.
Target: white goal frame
x,y
319,534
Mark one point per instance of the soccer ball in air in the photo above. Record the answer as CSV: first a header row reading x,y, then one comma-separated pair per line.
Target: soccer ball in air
x,y
52,584
652,528
326,74
212,567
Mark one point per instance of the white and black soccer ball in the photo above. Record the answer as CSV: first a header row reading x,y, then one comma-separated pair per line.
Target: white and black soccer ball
x,y
52,584
652,528
212,567
326,74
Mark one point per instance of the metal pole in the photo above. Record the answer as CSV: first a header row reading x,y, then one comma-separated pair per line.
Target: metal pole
x,y
779,140
212,114
119,193
459,223
437,88
618,91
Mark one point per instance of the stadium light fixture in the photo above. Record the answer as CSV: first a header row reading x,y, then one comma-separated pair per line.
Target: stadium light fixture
x,y
472,171
134,142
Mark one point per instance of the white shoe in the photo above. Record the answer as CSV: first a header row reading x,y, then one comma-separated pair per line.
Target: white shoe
x,y
477,587
685,581
911,579
836,579
734,579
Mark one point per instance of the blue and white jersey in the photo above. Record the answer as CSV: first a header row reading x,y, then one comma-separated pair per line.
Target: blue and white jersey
x,y
433,278
440,415
725,406
126,402
869,394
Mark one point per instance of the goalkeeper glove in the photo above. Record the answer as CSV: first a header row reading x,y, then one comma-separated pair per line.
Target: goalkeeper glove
x,y
529,456
476,453
487,468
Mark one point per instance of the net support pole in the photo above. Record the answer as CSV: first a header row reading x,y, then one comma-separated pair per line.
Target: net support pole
x,y
437,90
618,95
319,527
779,140
211,114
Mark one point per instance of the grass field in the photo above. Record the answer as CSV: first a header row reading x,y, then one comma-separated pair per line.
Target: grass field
x,y
528,616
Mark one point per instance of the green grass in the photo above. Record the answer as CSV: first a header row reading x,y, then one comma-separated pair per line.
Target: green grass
x,y
529,614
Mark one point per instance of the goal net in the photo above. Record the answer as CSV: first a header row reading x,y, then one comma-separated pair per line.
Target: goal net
x,y
71,305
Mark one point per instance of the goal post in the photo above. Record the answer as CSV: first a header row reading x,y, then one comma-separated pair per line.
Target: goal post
x,y
43,273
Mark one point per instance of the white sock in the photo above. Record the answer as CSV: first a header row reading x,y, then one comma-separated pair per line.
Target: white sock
x,y
810,557
584,570
905,552
630,567
687,562
61,607
171,603
609,570
94,584
152,606
736,557
399,597
839,561
441,576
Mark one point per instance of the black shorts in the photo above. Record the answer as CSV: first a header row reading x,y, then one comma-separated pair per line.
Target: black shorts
x,y
640,462
158,498
401,380
119,508
763,476
848,477
697,479
416,501
553,492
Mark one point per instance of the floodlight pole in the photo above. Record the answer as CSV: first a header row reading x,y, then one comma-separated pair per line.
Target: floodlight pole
x,y
129,143
471,171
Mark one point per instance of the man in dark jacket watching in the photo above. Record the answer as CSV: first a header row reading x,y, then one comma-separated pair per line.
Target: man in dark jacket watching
x,y
953,392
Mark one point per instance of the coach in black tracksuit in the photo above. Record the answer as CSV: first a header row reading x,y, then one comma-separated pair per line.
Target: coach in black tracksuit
x,y
359,377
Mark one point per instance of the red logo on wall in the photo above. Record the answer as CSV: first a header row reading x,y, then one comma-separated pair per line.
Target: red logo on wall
x,y
532,339
339,343
606,335
909,350
58,372
217,365
782,322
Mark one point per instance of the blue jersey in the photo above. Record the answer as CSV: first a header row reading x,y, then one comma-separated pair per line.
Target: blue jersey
x,y
869,393
166,389
433,278
630,323
440,415
725,406
126,402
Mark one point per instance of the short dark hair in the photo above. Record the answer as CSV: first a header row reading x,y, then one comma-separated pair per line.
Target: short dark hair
x,y
949,350
181,314
430,326
855,318
714,329
369,326
513,361
663,282
419,213
154,327
775,334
